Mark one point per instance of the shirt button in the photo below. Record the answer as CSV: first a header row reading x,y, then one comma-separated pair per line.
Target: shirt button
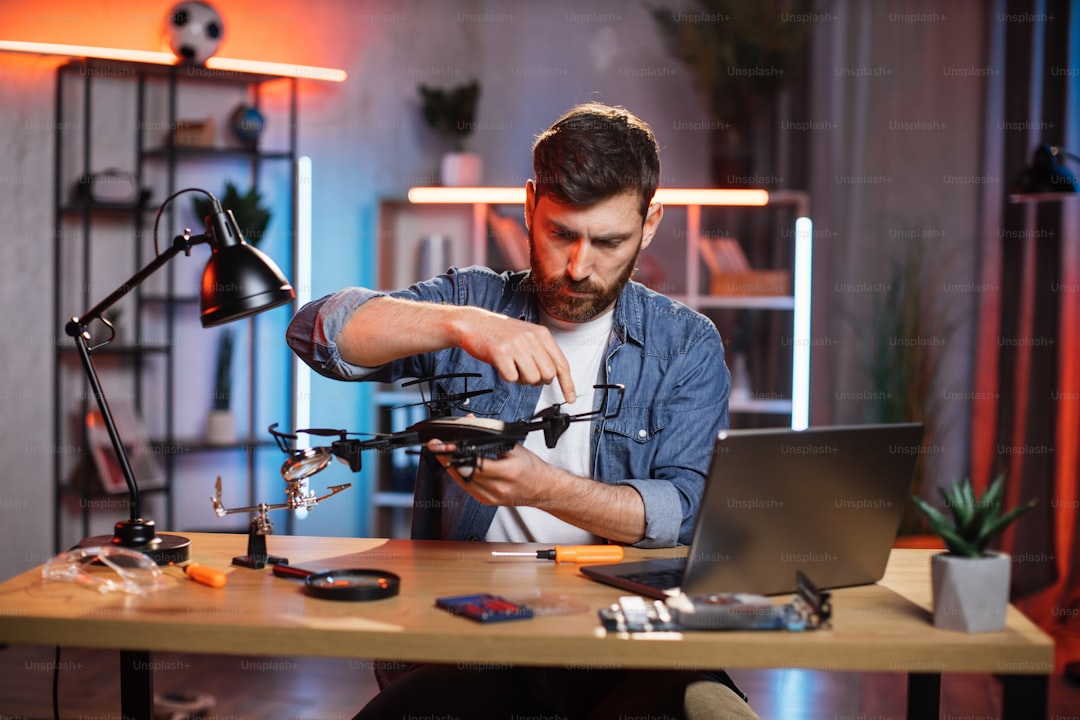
x,y
642,433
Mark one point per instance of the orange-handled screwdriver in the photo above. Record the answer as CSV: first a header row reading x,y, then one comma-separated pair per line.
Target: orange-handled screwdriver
x,y
205,575
572,553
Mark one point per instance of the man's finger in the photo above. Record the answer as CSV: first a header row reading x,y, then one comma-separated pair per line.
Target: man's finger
x,y
566,383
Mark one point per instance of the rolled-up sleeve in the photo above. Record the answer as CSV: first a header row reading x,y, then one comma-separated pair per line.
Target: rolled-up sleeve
x,y
313,332
664,513
665,436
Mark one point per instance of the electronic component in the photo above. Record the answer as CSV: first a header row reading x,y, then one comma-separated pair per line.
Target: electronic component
x,y
484,607
634,613
808,609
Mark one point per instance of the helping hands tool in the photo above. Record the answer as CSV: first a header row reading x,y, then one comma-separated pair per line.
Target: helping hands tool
x,y
571,553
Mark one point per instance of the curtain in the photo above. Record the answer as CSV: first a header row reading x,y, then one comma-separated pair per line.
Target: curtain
x,y
1026,406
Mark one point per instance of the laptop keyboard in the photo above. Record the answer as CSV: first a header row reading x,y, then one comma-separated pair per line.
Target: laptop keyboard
x,y
659,579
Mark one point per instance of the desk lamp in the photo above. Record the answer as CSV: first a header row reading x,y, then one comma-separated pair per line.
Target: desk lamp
x,y
238,281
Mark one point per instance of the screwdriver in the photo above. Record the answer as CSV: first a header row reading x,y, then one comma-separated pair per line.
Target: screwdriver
x,y
572,553
204,575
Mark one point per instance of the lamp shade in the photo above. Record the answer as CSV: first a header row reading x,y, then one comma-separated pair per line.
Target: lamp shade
x,y
1046,174
240,280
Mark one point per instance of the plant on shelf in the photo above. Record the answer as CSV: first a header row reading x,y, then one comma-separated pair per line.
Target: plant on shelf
x,y
223,371
252,217
739,55
971,582
451,113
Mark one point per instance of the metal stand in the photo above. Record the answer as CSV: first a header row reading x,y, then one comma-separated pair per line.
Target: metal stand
x,y
257,557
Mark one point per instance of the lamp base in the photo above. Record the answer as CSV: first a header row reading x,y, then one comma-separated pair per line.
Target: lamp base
x,y
139,535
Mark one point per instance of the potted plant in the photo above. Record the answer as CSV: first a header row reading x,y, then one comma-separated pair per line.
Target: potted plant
x,y
252,217
221,422
903,337
739,55
970,583
451,113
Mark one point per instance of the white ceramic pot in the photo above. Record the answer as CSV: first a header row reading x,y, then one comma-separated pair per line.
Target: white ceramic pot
x,y
221,427
461,169
970,594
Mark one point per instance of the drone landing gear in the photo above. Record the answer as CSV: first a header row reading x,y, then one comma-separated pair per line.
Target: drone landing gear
x,y
257,558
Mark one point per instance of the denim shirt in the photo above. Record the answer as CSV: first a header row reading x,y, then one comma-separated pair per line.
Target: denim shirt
x,y
669,358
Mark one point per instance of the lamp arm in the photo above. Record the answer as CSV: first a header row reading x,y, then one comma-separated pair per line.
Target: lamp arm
x,y
77,329
181,244
81,343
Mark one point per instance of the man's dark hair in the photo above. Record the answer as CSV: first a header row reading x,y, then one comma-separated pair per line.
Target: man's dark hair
x,y
595,152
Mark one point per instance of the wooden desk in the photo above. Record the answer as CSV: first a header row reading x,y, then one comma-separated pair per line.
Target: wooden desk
x,y
884,627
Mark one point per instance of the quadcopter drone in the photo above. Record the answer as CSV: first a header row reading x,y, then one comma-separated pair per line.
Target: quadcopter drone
x,y
473,437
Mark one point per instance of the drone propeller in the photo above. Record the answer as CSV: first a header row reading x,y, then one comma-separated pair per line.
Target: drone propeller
x,y
282,438
442,403
345,449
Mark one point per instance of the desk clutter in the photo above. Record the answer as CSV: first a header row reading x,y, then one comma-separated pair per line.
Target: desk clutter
x,y
809,609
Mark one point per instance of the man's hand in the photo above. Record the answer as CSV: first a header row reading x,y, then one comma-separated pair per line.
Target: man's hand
x,y
520,478
497,481
520,351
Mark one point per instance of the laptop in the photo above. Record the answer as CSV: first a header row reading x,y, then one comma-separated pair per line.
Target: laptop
x,y
827,501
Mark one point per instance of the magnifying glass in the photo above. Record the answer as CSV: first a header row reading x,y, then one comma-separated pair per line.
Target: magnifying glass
x,y
350,584
305,463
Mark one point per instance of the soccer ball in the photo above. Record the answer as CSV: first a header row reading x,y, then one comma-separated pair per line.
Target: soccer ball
x,y
194,31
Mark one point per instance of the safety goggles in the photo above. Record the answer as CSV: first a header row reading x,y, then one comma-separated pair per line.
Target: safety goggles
x,y
106,569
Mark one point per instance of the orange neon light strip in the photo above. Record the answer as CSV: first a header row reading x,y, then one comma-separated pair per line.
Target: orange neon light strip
x,y
516,195
258,67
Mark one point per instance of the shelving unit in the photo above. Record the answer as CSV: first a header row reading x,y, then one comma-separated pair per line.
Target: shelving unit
x,y
462,214
98,246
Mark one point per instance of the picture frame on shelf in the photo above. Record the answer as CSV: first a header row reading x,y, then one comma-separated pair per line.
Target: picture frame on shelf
x,y
144,461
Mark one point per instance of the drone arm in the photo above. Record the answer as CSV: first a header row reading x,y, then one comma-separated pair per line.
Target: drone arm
x,y
349,451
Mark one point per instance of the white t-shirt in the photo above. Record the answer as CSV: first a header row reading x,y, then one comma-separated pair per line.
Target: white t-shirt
x,y
584,345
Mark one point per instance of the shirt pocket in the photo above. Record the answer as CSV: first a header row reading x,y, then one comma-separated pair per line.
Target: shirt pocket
x,y
639,425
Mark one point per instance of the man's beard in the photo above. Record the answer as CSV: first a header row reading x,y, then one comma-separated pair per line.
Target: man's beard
x,y
577,309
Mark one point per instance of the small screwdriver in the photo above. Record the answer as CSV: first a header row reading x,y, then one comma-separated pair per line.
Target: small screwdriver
x,y
572,553
204,575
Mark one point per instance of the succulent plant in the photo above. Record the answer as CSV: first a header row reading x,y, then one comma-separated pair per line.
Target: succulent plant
x,y
975,521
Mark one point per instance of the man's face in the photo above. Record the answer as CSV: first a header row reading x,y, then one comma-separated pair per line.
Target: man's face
x,y
582,258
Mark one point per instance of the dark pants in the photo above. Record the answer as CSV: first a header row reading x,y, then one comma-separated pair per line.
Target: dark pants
x,y
483,691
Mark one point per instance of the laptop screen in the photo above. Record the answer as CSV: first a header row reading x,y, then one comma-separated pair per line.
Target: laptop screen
x,y
826,501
